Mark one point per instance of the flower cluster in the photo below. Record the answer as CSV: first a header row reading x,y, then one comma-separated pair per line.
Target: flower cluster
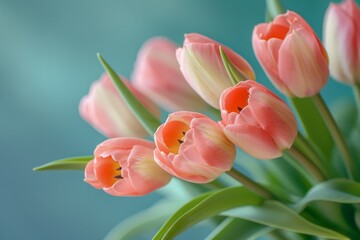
x,y
191,78
215,106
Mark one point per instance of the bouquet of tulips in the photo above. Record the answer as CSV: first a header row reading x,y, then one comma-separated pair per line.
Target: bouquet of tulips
x,y
232,152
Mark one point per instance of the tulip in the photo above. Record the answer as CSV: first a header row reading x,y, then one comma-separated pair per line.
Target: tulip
x,y
201,64
342,41
257,120
106,111
157,74
193,147
125,167
291,55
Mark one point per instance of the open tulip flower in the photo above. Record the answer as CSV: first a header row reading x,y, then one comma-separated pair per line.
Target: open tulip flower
x,y
256,120
157,74
125,167
106,111
342,41
291,55
193,147
200,62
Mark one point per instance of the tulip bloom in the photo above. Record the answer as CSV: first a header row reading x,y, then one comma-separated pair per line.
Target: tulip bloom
x,y
157,74
193,147
201,64
125,167
257,120
342,41
106,111
291,55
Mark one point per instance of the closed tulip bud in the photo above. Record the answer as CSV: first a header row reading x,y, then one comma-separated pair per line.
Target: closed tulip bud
x,y
106,111
291,55
157,74
125,167
193,147
257,120
342,41
201,64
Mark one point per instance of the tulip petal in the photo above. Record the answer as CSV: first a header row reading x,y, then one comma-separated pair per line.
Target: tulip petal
x,y
302,66
274,117
90,176
253,140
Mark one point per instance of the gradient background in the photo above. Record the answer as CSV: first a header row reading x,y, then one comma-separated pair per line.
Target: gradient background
x,y
47,63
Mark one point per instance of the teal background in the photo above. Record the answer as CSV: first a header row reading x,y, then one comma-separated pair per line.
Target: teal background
x,y
47,63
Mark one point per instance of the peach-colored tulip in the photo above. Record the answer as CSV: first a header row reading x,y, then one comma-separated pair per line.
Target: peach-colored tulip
x,y
105,110
342,41
257,120
157,74
291,55
193,147
125,167
200,62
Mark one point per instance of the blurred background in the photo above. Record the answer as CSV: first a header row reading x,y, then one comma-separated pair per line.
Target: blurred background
x,y
47,63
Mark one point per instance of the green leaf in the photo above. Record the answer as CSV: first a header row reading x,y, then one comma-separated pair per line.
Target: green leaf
x,y
150,122
143,222
205,206
314,126
73,163
335,190
275,214
234,74
238,229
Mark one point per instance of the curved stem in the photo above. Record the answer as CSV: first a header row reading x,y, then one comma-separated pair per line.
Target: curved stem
x,y
337,136
274,8
356,89
302,143
249,183
306,163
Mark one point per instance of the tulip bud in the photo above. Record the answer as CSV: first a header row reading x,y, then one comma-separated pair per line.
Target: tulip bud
x,y
193,147
106,111
257,120
125,167
201,64
342,41
291,55
157,74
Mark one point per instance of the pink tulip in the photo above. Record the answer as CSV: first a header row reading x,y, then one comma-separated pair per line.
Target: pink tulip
x,y
342,41
105,110
125,167
292,55
157,74
256,120
192,147
203,69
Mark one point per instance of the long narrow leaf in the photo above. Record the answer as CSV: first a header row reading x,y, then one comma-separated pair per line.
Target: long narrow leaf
x,y
233,73
314,126
73,163
149,122
277,215
335,190
143,222
238,229
206,206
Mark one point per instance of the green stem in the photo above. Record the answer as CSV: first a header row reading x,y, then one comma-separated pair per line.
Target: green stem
x,y
274,7
337,136
306,163
302,143
249,183
356,89
216,184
